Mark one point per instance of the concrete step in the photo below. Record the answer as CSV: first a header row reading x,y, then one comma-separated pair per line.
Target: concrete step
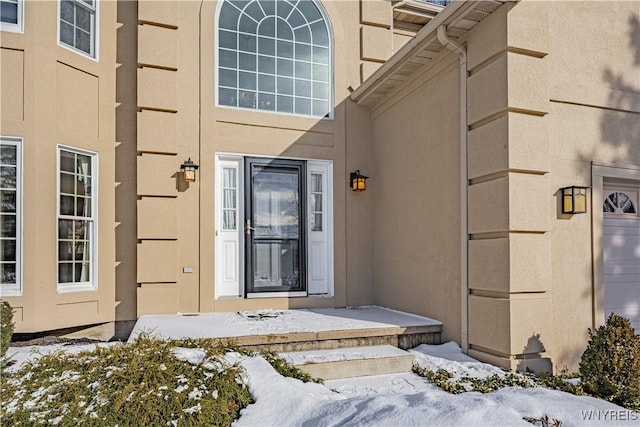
x,y
404,338
298,330
351,362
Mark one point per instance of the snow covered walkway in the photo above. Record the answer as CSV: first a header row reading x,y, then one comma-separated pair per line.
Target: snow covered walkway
x,y
409,400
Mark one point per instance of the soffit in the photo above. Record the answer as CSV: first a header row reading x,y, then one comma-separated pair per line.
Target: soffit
x,y
415,12
459,17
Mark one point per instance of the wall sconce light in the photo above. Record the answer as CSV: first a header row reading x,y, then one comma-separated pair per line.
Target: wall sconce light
x,y
358,181
574,200
188,169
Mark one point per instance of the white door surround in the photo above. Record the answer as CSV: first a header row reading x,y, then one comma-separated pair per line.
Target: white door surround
x,y
231,228
616,243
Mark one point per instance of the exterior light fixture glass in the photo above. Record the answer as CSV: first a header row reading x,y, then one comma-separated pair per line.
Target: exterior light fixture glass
x,y
188,169
358,181
574,200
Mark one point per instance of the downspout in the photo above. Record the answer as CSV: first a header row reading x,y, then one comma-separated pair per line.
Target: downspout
x,y
464,180
200,122
393,9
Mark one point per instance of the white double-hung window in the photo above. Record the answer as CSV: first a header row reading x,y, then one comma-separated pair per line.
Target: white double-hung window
x,y
77,27
10,216
77,205
11,15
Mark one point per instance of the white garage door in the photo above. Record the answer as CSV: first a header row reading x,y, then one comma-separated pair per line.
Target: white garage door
x,y
622,253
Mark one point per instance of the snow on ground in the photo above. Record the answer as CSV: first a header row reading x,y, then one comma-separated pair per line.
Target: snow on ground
x,y
449,356
394,400
341,354
282,401
406,383
408,400
21,355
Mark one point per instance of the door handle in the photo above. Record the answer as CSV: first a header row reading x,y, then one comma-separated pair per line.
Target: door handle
x,y
248,228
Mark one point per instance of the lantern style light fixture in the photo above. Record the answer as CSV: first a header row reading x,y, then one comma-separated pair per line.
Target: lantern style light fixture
x,y
574,200
358,181
188,169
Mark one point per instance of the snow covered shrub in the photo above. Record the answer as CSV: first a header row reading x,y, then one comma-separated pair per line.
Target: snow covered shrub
x,y
543,421
559,382
144,383
449,382
6,327
442,378
610,366
286,369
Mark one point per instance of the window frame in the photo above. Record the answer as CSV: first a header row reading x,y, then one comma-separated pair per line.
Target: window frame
x,y
94,31
19,26
92,284
235,191
16,289
330,82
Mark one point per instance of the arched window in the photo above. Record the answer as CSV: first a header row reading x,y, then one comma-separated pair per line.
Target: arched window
x,y
275,55
619,203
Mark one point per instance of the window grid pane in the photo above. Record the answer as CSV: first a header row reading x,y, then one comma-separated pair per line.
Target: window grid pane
x,y
316,201
75,218
293,46
75,187
230,196
77,25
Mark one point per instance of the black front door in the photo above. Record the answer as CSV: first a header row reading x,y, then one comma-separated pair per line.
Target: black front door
x,y
275,225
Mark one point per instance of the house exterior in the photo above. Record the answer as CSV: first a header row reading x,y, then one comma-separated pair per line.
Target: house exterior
x,y
470,118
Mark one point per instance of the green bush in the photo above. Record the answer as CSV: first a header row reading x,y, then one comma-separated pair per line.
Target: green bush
x,y
557,382
286,369
446,381
610,366
6,327
139,383
442,378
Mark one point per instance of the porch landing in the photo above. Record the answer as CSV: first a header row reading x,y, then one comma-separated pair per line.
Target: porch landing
x,y
295,330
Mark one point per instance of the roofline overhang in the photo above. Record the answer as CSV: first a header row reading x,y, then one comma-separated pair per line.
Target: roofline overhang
x,y
426,37
416,5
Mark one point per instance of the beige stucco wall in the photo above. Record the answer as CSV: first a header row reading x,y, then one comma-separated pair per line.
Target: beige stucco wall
x,y
50,96
153,106
552,90
126,161
510,276
186,123
416,226
567,98
594,119
548,96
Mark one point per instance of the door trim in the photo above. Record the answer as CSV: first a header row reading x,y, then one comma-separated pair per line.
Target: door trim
x,y
228,261
602,175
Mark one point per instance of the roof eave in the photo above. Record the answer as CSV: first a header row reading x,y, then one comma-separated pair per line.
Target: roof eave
x,y
425,37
